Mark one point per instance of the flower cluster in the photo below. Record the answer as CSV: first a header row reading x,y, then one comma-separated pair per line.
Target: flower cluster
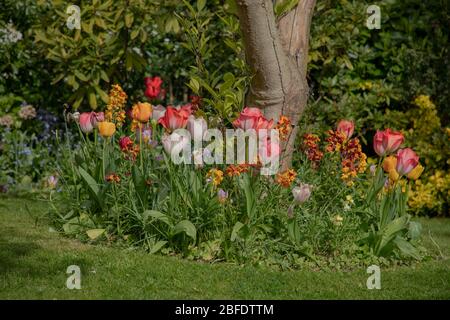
x,y
286,178
311,149
284,127
215,176
6,121
27,112
112,178
116,104
128,147
236,170
404,163
353,160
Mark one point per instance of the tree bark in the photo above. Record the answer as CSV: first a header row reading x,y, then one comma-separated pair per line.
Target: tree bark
x,y
277,53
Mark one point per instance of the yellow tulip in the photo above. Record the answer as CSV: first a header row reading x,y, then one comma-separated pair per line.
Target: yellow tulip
x,y
415,173
393,175
141,111
389,163
106,129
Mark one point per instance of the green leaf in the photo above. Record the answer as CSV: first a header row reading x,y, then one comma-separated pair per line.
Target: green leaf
x,y
104,75
201,4
407,248
92,99
92,184
284,6
186,227
94,233
156,215
129,18
235,232
294,231
158,246
80,75
414,230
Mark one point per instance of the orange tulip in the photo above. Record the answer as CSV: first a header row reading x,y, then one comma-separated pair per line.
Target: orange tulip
x,y
389,163
106,129
142,111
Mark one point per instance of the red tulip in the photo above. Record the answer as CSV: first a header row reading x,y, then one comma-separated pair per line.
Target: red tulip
x,y
174,118
153,87
387,141
346,127
407,160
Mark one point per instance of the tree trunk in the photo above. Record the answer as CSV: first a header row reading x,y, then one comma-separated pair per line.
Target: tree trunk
x,y
277,53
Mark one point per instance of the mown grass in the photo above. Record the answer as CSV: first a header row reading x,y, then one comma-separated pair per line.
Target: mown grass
x,y
33,263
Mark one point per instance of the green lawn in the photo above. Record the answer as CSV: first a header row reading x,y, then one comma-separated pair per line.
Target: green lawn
x,y
33,263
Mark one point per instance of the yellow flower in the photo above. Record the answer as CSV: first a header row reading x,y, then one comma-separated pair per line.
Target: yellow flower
x,y
106,129
415,173
337,220
393,175
389,163
215,176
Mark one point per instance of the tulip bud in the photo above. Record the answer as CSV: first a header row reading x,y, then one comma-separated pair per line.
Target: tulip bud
x,y
222,195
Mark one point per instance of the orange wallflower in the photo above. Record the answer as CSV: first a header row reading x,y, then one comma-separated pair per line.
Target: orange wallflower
x,y
284,127
286,178
116,103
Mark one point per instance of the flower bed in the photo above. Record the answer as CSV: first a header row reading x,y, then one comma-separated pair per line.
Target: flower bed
x,y
122,186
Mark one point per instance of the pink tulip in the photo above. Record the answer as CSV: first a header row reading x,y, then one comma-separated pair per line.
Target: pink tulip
x,y
346,127
88,120
263,123
174,119
248,119
85,122
407,160
386,142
